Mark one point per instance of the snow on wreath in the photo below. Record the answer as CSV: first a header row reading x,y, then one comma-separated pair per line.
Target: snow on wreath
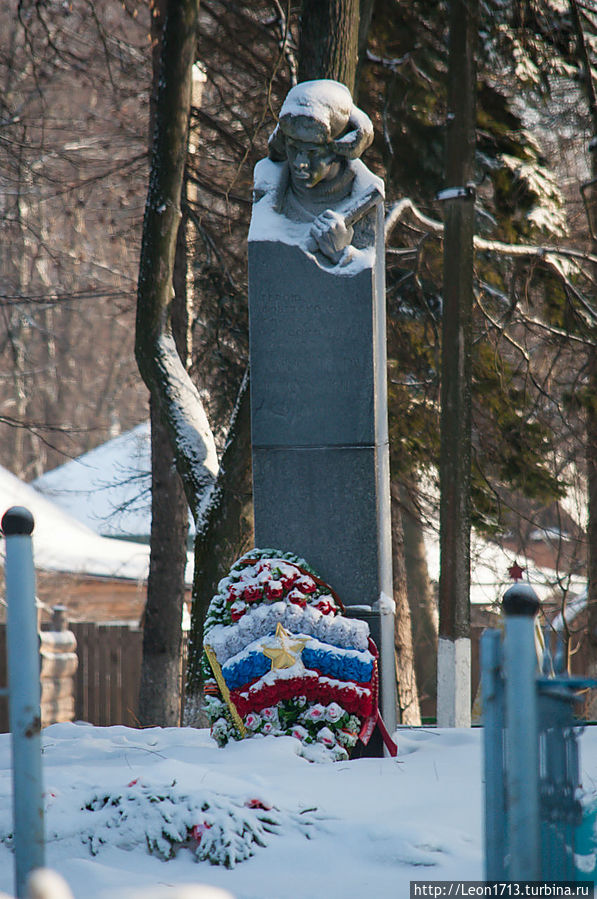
x,y
282,659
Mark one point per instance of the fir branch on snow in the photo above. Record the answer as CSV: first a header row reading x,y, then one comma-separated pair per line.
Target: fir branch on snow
x,y
221,829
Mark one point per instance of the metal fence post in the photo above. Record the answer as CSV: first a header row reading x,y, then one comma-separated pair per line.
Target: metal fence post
x,y
520,605
492,685
24,695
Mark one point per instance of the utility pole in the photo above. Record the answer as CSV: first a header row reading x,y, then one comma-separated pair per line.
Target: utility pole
x,y
589,192
453,676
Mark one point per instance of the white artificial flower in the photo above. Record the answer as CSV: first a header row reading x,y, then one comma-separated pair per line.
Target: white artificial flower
x,y
314,713
334,712
326,737
252,721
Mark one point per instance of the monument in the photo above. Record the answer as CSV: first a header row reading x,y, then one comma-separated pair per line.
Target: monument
x,y
318,358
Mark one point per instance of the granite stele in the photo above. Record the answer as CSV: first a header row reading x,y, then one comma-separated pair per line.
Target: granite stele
x,y
317,350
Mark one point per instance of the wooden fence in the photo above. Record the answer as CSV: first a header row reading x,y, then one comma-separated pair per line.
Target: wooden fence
x,y
108,674
107,679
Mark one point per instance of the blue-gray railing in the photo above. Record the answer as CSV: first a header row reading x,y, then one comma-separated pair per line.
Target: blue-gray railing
x,y
24,695
533,809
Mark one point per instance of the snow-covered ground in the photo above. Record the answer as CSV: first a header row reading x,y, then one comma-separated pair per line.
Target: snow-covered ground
x,y
363,828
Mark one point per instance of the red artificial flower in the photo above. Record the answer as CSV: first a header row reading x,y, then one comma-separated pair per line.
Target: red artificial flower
x,y
356,699
306,584
253,593
299,599
237,614
274,590
287,580
198,831
325,607
235,591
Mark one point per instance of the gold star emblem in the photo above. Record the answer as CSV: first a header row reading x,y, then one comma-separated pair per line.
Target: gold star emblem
x,y
287,653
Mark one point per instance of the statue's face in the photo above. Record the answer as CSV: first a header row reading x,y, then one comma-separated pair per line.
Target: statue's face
x,y
311,158
310,163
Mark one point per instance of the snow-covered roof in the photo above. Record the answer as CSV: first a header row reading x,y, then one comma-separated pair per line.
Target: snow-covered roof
x,y
61,543
109,488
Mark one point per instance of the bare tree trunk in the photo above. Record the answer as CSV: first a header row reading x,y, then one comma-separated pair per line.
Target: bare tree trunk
x,y
160,688
422,602
164,372
227,532
407,694
157,357
328,41
365,16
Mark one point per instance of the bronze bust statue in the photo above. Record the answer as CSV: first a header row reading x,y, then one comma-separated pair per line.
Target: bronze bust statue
x,y
319,178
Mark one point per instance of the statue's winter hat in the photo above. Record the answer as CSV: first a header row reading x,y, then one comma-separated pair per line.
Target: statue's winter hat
x,y
322,111
326,103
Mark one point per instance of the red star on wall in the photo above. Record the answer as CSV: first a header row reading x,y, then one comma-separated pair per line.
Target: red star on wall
x,y
516,572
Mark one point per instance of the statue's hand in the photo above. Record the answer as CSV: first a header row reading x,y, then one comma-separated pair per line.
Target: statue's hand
x,y
331,234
